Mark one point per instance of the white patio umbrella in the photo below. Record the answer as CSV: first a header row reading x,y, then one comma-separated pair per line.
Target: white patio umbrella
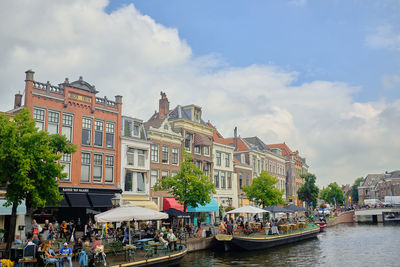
x,y
128,213
247,209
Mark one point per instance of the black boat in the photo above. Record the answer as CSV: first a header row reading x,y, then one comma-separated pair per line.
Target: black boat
x,y
260,241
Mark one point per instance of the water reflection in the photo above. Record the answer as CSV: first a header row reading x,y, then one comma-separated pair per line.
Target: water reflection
x,y
346,244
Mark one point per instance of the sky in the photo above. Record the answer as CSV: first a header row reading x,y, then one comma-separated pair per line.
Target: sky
x,y
322,76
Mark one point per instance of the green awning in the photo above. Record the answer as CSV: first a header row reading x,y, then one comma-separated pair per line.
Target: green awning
x,y
212,206
21,209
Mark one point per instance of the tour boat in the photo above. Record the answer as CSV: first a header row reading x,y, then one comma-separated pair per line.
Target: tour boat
x,y
261,241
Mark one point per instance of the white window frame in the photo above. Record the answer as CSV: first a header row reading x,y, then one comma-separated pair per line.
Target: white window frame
x,y
98,128
88,164
109,164
39,115
141,157
155,153
67,124
197,149
218,159
164,151
206,150
98,164
153,177
87,126
175,155
53,121
130,156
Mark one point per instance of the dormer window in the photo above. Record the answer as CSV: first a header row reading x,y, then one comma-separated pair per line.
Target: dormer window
x,y
136,130
197,115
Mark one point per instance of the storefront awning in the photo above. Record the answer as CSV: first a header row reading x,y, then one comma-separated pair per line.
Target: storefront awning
x,y
209,207
101,200
78,200
148,204
21,209
169,202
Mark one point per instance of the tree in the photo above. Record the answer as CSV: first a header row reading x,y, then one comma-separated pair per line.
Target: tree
x,y
29,164
190,186
331,193
263,190
354,189
308,192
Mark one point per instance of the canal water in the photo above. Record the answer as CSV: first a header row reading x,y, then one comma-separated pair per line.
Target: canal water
x,y
345,245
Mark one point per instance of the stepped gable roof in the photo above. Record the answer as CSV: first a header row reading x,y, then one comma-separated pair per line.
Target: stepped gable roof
x,y
257,143
82,85
372,179
286,151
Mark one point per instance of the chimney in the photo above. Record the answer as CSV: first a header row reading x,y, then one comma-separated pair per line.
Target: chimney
x,y
17,100
163,107
29,75
235,140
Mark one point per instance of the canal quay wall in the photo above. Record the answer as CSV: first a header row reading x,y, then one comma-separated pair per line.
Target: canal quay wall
x,y
344,217
196,244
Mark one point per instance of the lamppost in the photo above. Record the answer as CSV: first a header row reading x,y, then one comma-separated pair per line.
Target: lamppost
x,y
116,201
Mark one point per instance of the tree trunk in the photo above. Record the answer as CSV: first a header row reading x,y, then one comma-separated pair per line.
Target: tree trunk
x,y
11,231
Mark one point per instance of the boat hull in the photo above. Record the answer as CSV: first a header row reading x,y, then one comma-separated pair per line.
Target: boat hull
x,y
168,260
257,243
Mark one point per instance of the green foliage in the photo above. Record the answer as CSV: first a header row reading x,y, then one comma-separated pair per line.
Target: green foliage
x,y
332,191
29,162
354,189
309,191
190,186
263,191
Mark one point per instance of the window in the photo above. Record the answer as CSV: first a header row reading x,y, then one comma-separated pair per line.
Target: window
x,y
175,155
128,181
206,150
38,115
227,160
198,165
207,168
141,155
216,179
140,181
85,167
229,178
188,138
240,180
164,174
86,131
164,156
97,167
154,153
67,126
130,156
247,179
174,173
223,181
110,128
197,149
218,156
98,133
136,130
66,162
109,169
154,177
53,122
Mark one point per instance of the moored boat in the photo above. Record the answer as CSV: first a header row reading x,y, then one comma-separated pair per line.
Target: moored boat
x,y
261,241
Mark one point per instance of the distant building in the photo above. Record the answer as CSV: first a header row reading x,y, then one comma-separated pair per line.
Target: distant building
x,y
367,189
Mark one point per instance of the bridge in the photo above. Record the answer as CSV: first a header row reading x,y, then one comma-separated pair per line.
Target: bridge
x,y
375,215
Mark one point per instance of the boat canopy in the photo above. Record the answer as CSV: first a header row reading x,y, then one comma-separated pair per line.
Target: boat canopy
x,y
212,206
295,208
129,213
276,209
247,209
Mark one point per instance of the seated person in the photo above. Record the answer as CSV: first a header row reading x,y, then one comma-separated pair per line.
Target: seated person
x,y
172,240
66,254
99,250
78,245
222,228
35,240
50,256
156,237
162,240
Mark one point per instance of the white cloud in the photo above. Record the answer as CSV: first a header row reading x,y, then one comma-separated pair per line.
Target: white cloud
x,y
128,53
384,37
391,81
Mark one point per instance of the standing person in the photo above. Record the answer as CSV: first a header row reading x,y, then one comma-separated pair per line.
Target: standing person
x,y
88,230
72,231
35,228
63,230
66,253
51,232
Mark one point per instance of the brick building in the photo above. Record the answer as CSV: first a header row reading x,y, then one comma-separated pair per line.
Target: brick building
x,y
93,124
